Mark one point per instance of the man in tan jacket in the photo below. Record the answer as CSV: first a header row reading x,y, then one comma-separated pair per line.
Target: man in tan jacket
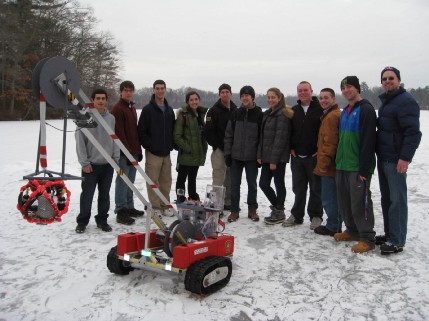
x,y
326,150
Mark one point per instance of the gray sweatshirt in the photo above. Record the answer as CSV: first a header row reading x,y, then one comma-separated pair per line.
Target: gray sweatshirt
x,y
87,154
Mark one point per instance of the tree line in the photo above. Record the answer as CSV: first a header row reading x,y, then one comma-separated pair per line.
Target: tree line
x,y
31,30
176,97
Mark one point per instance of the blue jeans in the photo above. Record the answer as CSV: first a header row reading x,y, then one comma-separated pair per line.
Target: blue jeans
x,y
251,168
276,200
124,194
330,204
302,176
102,176
393,189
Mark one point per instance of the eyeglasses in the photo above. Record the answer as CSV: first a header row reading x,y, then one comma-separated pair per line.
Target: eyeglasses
x,y
388,78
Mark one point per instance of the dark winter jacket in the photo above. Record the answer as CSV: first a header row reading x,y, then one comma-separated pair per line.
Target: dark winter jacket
x,y
356,147
156,128
305,128
398,125
274,140
188,135
242,133
216,122
126,126
327,142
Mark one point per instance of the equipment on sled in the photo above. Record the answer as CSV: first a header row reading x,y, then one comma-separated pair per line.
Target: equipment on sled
x,y
192,244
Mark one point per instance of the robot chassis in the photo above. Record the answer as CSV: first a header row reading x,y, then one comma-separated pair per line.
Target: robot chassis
x,y
192,244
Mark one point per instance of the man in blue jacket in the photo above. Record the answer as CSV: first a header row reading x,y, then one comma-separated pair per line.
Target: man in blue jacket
x,y
355,163
156,124
398,137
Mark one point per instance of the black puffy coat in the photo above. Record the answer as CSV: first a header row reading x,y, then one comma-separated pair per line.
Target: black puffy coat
x,y
274,140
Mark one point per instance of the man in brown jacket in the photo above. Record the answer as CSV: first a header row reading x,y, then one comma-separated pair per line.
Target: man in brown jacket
x,y
326,150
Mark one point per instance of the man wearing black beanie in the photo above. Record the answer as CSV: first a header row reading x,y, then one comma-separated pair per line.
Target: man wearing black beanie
x,y
241,147
355,163
214,131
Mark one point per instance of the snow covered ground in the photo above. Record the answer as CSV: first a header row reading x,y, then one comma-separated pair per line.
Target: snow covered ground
x,y
52,273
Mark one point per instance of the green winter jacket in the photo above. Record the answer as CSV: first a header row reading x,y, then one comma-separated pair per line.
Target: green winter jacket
x,y
188,136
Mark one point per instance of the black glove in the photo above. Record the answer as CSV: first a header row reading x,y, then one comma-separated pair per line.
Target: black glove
x,y
228,160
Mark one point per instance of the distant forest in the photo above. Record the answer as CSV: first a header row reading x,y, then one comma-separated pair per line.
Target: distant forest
x,y
31,30
176,97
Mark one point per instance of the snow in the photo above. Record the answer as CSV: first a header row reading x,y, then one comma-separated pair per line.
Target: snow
x,y
51,273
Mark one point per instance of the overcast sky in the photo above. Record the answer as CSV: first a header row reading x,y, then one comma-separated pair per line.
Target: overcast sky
x,y
266,43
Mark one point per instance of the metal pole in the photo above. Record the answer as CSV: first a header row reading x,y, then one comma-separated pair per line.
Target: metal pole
x,y
65,126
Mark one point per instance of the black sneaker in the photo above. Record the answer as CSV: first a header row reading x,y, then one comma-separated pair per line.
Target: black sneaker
x,y
323,230
134,213
389,248
104,227
380,239
80,228
124,218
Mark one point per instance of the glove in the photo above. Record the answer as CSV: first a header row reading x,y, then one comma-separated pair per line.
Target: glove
x,y
228,160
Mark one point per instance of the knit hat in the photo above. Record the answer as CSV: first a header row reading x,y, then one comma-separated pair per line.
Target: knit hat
x,y
351,80
248,90
396,71
225,86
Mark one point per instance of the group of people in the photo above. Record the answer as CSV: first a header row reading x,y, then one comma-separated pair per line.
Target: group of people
x,y
331,151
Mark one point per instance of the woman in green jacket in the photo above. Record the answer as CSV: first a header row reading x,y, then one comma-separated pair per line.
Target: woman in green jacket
x,y
188,137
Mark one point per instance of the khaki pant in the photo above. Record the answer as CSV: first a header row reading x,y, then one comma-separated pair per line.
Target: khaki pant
x,y
159,170
221,173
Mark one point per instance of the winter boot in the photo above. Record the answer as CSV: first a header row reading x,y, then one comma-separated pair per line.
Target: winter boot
x,y
252,214
233,216
272,208
344,236
277,218
362,247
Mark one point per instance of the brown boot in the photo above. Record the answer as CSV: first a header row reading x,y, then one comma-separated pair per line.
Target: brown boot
x,y
362,247
344,236
233,216
252,214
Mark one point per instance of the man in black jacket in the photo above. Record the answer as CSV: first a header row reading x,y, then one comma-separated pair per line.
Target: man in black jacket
x,y
305,131
241,147
216,121
156,124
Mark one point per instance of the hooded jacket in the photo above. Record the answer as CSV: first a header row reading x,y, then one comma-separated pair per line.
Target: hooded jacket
x,y
398,135
189,136
327,142
87,154
356,146
155,128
